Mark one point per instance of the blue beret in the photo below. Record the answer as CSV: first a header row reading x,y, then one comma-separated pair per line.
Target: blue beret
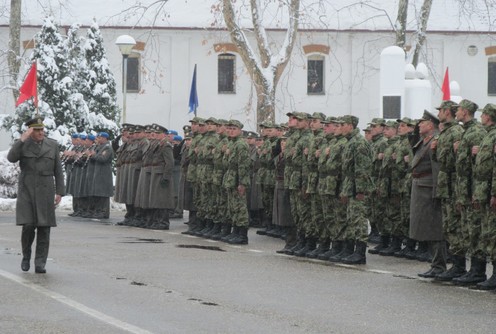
x,y
83,137
103,134
91,137
172,132
178,138
75,135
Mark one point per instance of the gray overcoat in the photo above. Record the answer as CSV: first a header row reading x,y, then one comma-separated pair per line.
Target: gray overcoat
x,y
162,195
103,185
40,179
425,210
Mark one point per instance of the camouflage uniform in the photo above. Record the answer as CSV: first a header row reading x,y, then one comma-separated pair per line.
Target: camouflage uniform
x,y
266,176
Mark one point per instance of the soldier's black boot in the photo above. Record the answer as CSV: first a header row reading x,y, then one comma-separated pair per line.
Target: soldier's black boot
x,y
337,246
214,231
412,254
348,249
224,232
409,247
192,223
241,238
233,234
208,226
310,245
323,247
290,240
358,257
489,284
476,274
381,245
275,232
456,270
374,236
394,247
300,243
422,253
265,223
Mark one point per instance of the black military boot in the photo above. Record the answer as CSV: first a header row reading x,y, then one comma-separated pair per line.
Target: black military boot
x,y
275,232
394,247
374,236
422,254
291,240
358,257
208,227
456,270
380,246
311,243
224,232
489,284
476,274
233,234
409,247
337,246
192,223
241,238
300,243
323,247
217,227
348,249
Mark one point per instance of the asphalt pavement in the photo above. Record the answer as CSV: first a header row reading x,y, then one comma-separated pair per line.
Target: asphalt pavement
x,y
104,278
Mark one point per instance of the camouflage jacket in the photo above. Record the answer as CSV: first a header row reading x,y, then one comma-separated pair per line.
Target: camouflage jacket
x,y
299,175
330,167
378,145
484,166
473,135
266,172
357,163
319,141
205,166
402,170
239,164
192,158
387,185
293,137
220,164
446,156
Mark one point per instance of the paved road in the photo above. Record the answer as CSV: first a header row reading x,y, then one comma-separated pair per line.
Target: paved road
x,y
104,278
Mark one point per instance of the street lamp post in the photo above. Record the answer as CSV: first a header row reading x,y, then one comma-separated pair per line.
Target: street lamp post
x,y
125,44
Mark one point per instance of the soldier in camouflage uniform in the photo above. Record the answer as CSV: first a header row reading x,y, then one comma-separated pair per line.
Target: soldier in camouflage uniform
x,y
402,155
330,183
300,204
376,204
314,225
465,183
388,188
236,181
484,190
444,153
357,182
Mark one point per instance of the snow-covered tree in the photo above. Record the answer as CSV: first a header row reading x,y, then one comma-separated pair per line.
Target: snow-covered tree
x,y
100,87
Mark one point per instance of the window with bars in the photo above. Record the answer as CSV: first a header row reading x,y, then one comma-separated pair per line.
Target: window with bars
x,y
133,73
315,75
226,81
491,76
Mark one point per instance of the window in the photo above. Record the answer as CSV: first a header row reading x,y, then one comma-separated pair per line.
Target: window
x,y
315,75
133,73
491,76
226,83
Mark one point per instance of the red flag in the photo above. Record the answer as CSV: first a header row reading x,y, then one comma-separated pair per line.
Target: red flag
x,y
29,88
446,87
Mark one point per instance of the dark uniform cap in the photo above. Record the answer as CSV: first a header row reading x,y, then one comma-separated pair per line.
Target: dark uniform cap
x,y
377,121
469,105
212,120
159,128
236,123
35,123
318,115
428,116
149,128
391,124
139,128
186,128
446,105
490,109
350,119
407,121
251,134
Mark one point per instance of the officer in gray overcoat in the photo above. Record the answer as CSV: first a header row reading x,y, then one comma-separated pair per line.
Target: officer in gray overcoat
x,y
103,185
41,186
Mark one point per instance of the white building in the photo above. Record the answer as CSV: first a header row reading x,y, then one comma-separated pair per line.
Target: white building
x,y
341,53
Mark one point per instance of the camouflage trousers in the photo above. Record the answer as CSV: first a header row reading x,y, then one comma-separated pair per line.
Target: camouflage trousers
x,y
471,231
377,208
356,220
300,209
404,225
219,214
315,224
334,218
393,217
452,227
237,208
268,201
488,233
206,207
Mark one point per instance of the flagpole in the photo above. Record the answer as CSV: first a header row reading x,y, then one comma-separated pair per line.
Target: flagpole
x,y
36,97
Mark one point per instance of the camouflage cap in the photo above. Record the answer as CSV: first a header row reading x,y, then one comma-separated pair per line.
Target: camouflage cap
x,y
407,121
236,123
428,116
301,115
283,125
391,124
490,109
367,129
197,119
291,113
318,115
377,121
448,104
350,119
266,124
469,105
222,121
212,120
335,120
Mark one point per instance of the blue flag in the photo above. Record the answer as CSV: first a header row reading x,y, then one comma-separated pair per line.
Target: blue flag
x,y
193,95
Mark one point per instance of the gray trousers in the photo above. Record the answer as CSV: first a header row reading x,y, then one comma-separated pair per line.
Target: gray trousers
x,y
439,254
42,243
